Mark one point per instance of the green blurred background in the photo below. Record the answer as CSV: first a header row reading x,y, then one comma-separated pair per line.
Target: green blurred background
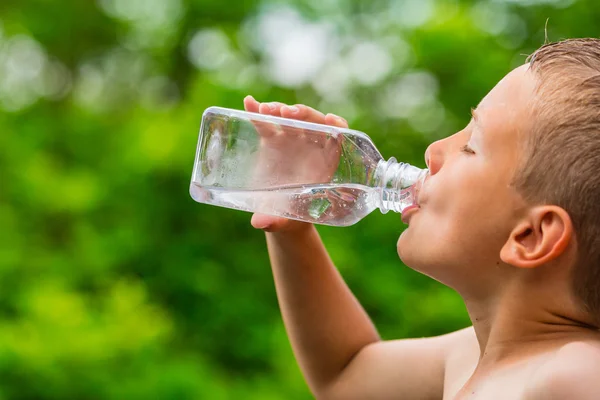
x,y
114,284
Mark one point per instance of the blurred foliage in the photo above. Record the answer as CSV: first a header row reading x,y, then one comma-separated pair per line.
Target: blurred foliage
x,y
114,284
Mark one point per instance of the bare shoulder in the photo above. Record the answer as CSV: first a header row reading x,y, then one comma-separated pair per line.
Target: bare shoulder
x,y
462,355
573,373
406,368
461,348
464,337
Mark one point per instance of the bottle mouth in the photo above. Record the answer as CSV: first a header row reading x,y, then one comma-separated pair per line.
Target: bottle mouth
x,y
400,185
418,185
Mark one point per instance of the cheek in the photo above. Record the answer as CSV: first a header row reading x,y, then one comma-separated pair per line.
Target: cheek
x,y
461,222
469,214
442,248
466,190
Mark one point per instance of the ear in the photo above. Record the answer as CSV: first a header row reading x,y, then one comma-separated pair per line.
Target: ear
x,y
542,236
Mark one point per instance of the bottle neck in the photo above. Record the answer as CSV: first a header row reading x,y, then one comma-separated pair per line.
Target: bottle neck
x,y
398,185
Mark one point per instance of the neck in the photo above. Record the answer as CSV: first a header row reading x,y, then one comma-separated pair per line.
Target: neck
x,y
528,316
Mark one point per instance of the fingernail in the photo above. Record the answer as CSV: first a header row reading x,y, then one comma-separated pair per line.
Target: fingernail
x,y
250,97
271,106
292,109
262,226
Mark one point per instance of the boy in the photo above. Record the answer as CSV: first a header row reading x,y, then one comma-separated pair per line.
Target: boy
x,y
509,217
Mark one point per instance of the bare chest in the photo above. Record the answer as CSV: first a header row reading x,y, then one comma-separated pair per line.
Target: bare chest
x,y
490,389
465,382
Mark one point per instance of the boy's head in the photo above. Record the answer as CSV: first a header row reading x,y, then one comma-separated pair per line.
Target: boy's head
x,y
517,192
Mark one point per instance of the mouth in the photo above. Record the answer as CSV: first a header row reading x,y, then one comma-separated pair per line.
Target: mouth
x,y
408,212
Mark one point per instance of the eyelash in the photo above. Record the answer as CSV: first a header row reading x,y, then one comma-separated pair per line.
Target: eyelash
x,y
467,149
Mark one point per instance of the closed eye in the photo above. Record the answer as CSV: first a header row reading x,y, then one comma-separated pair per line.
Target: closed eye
x,y
467,149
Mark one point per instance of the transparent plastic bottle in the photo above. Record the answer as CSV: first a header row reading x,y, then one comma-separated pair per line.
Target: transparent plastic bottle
x,y
299,170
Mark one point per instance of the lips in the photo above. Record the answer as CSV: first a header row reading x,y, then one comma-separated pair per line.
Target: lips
x,y
408,211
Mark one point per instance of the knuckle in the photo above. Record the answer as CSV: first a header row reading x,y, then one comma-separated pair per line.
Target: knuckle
x,y
301,108
313,115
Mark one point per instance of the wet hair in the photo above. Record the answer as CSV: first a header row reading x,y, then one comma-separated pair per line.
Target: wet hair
x,y
561,164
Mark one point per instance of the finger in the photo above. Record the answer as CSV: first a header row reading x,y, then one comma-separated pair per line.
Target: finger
x,y
270,223
308,114
264,128
333,120
261,221
273,108
286,225
336,120
291,112
250,104
303,113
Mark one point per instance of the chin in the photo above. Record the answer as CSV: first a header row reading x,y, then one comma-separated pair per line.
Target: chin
x,y
417,255
410,237
407,249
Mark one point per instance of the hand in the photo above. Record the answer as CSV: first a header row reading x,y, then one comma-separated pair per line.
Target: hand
x,y
284,154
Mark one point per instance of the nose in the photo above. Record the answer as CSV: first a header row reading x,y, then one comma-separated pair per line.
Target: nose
x,y
434,157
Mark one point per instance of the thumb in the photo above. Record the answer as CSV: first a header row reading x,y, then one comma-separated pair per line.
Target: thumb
x,y
269,223
261,221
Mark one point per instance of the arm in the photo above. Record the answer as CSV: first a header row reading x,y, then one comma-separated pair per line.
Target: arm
x,y
336,345
326,325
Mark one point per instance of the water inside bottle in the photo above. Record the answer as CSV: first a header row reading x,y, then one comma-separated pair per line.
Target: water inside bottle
x,y
336,205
